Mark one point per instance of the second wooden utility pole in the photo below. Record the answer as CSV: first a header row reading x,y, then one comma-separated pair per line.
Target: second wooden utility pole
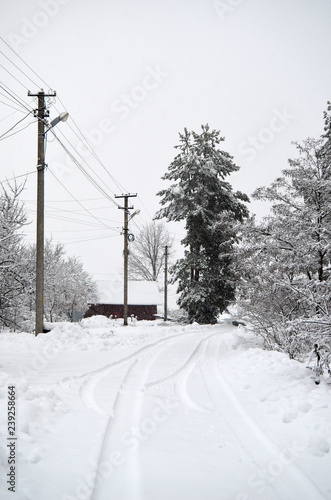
x,y
126,209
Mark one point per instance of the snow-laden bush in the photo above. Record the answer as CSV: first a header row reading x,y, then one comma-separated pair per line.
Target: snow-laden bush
x,y
283,262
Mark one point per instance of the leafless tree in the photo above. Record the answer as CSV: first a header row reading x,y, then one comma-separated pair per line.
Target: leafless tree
x,y
146,258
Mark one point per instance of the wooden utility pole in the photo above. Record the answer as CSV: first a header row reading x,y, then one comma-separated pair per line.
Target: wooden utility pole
x,y
126,209
41,113
166,283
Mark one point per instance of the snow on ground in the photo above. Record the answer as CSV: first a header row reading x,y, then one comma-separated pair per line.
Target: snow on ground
x,y
158,411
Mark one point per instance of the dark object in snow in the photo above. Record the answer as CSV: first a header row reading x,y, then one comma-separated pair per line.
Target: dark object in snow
x,y
237,323
161,316
319,362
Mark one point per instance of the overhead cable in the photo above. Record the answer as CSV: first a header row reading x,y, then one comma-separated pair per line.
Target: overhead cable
x,y
79,156
11,128
18,176
20,130
92,215
17,98
80,132
9,105
82,169
27,76
13,76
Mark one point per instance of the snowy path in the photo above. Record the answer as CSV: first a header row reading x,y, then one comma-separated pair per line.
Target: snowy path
x,y
259,451
164,413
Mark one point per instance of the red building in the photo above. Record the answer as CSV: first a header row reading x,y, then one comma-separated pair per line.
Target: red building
x,y
143,299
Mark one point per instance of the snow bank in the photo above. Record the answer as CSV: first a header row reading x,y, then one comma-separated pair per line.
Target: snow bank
x,y
190,402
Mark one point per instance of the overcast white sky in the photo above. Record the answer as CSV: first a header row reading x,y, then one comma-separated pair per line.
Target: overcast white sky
x,y
132,74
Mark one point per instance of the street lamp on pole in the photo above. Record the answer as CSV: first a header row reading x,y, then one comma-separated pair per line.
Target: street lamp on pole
x,y
63,117
42,113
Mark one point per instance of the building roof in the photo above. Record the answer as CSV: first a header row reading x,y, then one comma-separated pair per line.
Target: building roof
x,y
139,292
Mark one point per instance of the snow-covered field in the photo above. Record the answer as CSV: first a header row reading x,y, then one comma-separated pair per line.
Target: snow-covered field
x,y
160,412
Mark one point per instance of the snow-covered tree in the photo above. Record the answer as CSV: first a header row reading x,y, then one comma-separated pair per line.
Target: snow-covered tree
x,y
67,286
327,122
13,276
284,261
54,263
200,195
78,288
146,258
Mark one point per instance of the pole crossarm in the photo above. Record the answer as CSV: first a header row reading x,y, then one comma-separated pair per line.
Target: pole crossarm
x,y
42,113
126,196
51,94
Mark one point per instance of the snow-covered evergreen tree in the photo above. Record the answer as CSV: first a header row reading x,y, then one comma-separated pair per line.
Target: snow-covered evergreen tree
x,y
200,195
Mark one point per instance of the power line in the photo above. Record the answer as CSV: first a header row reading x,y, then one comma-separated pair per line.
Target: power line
x,y
18,176
81,168
76,221
101,190
96,228
8,116
34,83
63,217
17,55
52,210
17,98
13,76
68,201
92,239
67,219
64,187
77,211
140,200
80,214
80,132
9,105
20,130
9,130
86,239
86,143
80,156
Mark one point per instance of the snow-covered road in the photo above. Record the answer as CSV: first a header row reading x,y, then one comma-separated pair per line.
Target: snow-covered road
x,y
156,412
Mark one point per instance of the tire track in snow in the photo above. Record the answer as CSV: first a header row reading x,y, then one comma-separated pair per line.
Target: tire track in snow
x,y
181,376
91,379
131,388
292,482
130,394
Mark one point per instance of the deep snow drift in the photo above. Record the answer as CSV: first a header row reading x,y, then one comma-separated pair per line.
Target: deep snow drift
x,y
158,411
